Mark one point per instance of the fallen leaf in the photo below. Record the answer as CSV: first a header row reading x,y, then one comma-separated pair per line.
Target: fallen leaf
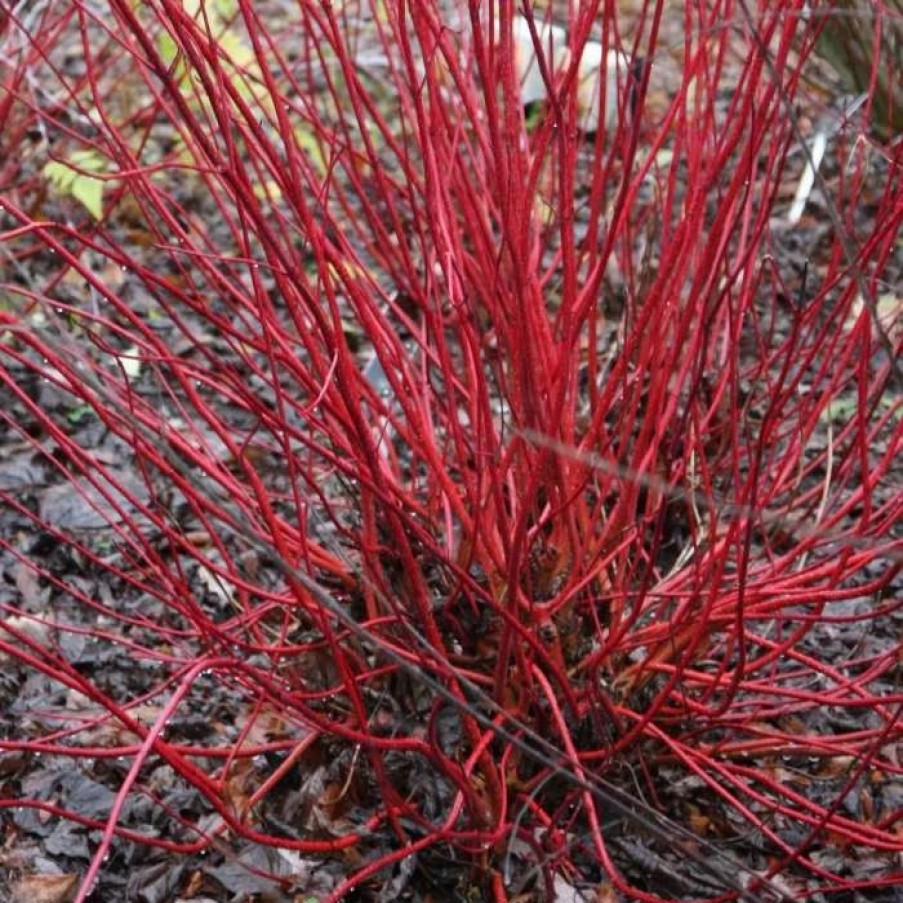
x,y
606,892
45,889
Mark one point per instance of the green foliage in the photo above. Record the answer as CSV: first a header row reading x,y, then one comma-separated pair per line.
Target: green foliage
x,y
73,177
240,66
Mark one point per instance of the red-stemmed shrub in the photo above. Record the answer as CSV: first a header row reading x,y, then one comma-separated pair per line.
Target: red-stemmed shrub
x,y
516,492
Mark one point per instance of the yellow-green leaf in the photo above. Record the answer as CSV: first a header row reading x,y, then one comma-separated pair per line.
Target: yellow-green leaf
x,y
72,177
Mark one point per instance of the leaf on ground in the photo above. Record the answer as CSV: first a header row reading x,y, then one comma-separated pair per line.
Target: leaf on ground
x,y
21,472
157,882
45,889
567,893
80,505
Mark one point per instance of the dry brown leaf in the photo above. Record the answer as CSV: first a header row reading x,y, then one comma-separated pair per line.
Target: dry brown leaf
x,y
45,889
606,892
699,823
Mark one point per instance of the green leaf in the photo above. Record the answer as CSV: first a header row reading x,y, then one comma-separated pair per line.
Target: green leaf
x,y
71,176
79,414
